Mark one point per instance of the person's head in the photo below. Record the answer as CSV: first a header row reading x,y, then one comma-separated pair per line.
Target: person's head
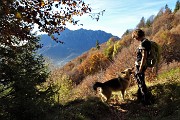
x,y
138,34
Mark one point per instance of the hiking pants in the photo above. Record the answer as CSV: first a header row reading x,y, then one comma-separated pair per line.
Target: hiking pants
x,y
142,88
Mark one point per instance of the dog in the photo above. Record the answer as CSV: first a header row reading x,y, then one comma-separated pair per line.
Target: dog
x,y
114,85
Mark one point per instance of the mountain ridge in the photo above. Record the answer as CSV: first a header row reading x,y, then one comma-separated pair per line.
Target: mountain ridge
x,y
76,42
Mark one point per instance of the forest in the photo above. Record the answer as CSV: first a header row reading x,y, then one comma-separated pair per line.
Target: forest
x,y
30,89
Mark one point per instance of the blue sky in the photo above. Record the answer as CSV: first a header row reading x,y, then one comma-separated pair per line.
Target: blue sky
x,y
120,15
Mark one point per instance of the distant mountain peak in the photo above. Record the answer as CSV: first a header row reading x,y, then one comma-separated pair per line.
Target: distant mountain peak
x,y
76,43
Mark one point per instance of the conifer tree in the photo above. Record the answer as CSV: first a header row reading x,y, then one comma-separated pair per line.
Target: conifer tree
x,y
177,7
160,13
141,23
150,21
22,73
167,9
126,32
51,16
97,45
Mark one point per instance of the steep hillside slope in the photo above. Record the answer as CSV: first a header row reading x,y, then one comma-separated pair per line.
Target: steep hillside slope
x,y
78,76
75,43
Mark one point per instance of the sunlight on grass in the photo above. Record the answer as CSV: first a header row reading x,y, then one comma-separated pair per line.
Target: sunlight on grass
x,y
173,74
165,93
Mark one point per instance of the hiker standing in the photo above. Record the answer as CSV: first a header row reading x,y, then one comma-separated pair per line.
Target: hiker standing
x,y
140,65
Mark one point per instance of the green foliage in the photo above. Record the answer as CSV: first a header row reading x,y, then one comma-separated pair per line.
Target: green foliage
x,y
64,85
109,51
126,32
97,45
116,49
112,48
165,88
24,91
154,56
177,7
167,94
167,9
50,22
90,109
110,41
166,99
166,104
21,72
141,23
171,75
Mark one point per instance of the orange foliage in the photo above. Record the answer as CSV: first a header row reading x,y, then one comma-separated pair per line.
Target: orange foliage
x,y
69,66
163,22
124,59
169,41
126,40
176,20
95,66
94,63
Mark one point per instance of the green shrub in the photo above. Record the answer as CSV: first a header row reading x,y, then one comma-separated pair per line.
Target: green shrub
x,y
109,51
65,85
116,49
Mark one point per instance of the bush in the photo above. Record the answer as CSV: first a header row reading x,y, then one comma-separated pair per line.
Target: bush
x,y
64,86
109,52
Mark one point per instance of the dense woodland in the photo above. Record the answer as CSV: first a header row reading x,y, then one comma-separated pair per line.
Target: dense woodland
x,y
29,90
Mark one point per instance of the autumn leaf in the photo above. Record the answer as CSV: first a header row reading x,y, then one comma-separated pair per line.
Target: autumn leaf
x,y
42,4
18,15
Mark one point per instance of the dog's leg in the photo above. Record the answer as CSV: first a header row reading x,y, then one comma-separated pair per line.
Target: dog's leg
x,y
123,91
107,93
103,98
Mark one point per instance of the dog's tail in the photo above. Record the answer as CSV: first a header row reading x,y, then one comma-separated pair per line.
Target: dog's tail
x,y
97,84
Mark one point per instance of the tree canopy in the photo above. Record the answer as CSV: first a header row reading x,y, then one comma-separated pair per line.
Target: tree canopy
x,y
24,90
177,7
18,17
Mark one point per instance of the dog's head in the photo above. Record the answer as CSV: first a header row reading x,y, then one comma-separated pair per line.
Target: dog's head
x,y
127,72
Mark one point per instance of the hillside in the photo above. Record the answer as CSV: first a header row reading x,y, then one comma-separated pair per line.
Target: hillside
x,y
166,104
75,43
76,78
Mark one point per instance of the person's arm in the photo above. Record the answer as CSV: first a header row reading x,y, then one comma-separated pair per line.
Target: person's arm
x,y
143,60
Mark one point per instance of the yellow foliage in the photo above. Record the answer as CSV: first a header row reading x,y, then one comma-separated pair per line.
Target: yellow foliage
x,y
18,15
42,4
117,47
94,63
65,85
109,51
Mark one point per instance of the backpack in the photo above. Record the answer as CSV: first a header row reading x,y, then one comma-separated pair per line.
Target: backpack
x,y
153,55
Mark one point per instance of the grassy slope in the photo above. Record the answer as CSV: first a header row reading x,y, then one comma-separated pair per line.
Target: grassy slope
x,y
166,92
166,89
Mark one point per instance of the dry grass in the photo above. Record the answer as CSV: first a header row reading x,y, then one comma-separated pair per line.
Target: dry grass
x,y
165,85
